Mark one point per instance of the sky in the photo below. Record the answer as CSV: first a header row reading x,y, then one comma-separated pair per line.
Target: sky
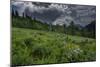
x,y
56,13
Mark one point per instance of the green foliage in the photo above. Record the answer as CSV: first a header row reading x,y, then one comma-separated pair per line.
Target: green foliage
x,y
28,23
34,42
45,47
72,29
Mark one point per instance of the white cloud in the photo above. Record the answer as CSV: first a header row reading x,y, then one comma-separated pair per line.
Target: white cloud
x,y
63,20
22,6
62,14
59,7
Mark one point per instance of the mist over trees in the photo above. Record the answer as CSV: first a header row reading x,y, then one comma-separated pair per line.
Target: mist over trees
x,y
27,22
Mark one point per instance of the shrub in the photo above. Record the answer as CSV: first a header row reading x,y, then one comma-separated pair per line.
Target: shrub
x,y
40,52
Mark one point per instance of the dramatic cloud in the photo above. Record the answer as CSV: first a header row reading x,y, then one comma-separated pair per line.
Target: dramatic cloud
x,y
63,20
56,13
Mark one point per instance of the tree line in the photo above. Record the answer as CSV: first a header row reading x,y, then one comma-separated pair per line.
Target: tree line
x,y
72,29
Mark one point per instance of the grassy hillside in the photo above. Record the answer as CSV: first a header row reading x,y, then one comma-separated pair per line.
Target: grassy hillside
x,y
31,46
28,23
72,29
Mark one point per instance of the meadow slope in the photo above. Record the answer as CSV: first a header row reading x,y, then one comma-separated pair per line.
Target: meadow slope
x,y
44,47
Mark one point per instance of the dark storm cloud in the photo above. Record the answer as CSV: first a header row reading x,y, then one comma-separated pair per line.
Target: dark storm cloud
x,y
83,14
48,15
56,13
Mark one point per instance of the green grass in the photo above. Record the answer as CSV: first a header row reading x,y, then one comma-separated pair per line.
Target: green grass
x,y
45,47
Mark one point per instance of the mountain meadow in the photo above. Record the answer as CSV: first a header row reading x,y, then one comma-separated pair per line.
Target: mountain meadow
x,y
35,42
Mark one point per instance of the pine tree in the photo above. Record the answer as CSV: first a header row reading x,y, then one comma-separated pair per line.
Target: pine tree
x,y
12,12
16,13
72,29
50,26
64,28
